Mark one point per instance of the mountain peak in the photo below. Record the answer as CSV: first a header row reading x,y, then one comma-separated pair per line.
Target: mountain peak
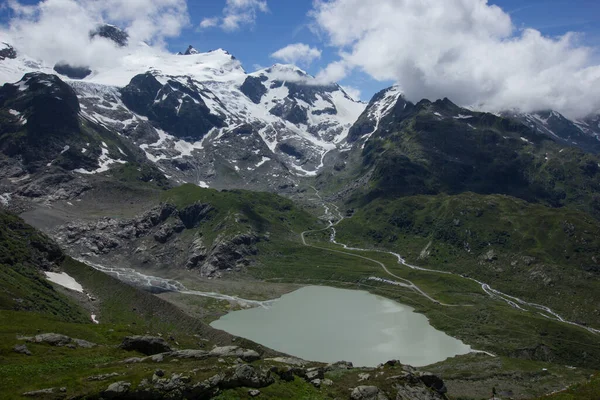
x,y
191,51
7,51
111,32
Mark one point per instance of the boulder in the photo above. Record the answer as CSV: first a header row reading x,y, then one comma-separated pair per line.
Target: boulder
x,y
148,345
417,393
235,351
117,390
434,382
254,392
84,343
367,393
22,349
247,376
53,339
186,354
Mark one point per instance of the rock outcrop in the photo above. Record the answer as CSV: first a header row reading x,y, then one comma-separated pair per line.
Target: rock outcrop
x,y
148,345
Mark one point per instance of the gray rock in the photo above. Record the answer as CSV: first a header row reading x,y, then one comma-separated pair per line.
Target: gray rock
x,y
134,360
327,382
367,393
84,343
148,345
117,389
248,376
186,354
40,393
254,392
340,365
235,351
22,349
99,378
434,382
53,339
316,383
315,373
416,393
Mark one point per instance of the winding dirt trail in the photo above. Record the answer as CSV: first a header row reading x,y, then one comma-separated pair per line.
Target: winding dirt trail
x,y
336,217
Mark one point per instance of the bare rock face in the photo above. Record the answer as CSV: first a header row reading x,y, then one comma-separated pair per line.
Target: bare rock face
x,y
367,393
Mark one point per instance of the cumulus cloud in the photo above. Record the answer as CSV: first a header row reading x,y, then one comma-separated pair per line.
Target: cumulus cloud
x,y
236,14
58,30
466,50
298,53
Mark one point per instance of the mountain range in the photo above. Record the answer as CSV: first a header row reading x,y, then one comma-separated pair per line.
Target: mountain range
x,y
494,216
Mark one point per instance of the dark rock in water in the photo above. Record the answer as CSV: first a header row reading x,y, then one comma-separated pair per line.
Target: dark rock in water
x,y
147,345
22,349
71,71
111,32
7,52
253,88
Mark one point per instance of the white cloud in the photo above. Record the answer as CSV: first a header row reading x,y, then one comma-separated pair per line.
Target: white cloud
x,y
298,53
58,30
334,72
236,14
466,50
209,23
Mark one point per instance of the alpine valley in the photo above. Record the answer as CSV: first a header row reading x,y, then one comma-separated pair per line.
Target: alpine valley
x,y
143,201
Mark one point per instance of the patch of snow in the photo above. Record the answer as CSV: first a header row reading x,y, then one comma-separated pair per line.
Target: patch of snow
x,y
460,116
64,280
203,184
21,179
525,140
264,160
382,108
94,319
438,114
84,150
14,112
5,199
65,149
105,162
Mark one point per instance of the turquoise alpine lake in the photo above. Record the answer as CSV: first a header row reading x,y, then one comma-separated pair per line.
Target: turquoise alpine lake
x,y
326,324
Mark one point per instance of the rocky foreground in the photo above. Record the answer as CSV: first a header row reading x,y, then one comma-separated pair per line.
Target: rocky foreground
x,y
163,371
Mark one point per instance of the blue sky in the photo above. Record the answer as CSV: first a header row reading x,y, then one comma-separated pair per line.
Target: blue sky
x,y
287,22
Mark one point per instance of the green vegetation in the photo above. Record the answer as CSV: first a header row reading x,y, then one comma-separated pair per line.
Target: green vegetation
x,y
240,211
23,250
541,254
584,391
419,152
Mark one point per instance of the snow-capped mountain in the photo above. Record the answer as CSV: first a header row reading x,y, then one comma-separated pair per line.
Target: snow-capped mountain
x,y
201,118
581,133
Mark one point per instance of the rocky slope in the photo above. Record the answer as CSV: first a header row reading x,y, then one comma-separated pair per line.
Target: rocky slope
x,y
202,119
